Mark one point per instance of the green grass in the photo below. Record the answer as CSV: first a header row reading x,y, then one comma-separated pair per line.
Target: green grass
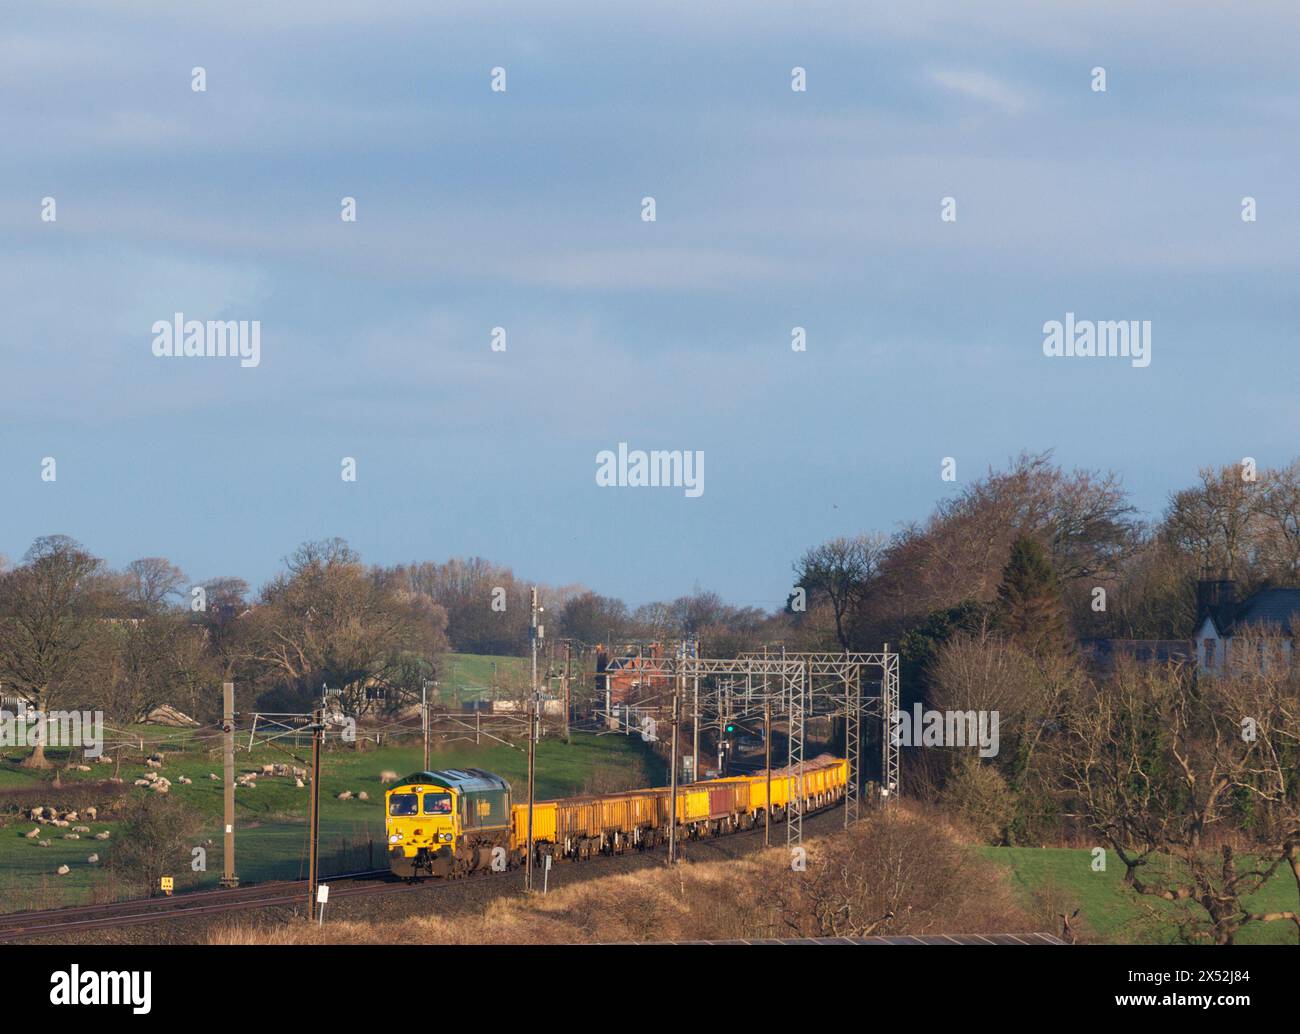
x,y
473,676
271,819
1116,914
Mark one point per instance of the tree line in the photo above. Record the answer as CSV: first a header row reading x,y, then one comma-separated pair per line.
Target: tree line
x,y
1016,597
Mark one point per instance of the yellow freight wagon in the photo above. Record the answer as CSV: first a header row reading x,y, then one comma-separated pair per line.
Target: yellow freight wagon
x,y
452,822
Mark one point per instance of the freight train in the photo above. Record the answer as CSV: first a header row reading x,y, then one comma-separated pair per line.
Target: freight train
x,y
453,822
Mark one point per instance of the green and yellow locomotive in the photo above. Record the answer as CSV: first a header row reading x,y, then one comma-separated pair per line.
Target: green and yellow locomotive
x,y
441,823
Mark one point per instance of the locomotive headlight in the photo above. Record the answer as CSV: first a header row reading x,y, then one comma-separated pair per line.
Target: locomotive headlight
x,y
395,838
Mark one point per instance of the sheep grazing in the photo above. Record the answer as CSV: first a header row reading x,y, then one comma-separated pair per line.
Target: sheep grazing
x,y
62,870
363,796
184,780
80,768
33,834
153,764
93,859
142,782
81,829
346,795
42,843
213,776
92,813
102,836
71,836
103,759
387,776
299,783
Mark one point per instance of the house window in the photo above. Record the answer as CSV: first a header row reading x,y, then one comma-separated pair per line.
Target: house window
x,y
1209,645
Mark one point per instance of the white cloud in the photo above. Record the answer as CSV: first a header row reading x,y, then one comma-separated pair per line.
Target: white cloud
x,y
982,87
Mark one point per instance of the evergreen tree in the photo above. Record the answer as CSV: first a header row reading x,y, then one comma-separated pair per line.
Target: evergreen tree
x,y
1029,605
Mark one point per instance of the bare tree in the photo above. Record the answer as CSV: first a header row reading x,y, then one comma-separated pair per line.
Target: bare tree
x,y
1216,520
1279,510
839,572
331,621
1161,764
152,582
49,609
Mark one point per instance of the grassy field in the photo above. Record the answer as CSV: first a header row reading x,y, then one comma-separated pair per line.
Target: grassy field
x,y
469,676
271,819
1112,912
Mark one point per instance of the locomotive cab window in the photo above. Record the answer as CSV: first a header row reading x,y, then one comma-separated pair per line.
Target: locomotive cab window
x,y
437,804
403,804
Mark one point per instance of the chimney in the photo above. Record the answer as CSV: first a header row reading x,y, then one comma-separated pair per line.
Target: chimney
x,y
1216,595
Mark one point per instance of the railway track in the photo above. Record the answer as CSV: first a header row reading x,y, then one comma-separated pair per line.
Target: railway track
x,y
20,925
16,926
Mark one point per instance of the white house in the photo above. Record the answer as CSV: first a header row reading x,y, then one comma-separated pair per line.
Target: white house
x,y
1223,622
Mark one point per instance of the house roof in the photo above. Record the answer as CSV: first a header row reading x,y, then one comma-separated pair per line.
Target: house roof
x,y
1280,607
1141,649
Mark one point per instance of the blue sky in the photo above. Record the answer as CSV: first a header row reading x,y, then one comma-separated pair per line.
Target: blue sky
x,y
775,209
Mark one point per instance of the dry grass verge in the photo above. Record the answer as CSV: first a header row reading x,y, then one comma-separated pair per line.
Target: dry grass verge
x,y
899,874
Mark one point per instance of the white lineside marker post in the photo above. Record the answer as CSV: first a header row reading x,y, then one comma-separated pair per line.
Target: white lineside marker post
x,y
322,896
546,873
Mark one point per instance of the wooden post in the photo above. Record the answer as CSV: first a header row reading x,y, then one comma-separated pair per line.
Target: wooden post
x,y
424,713
568,682
672,799
532,769
228,877
313,809
767,765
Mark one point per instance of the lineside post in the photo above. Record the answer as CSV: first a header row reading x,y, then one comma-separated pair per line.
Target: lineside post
x,y
672,799
228,877
695,733
313,804
532,770
568,691
889,707
767,765
424,714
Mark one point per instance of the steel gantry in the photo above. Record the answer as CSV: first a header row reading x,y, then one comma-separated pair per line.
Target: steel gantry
x,y
785,684
834,689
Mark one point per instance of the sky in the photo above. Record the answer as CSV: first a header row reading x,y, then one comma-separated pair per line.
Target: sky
x,y
522,209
